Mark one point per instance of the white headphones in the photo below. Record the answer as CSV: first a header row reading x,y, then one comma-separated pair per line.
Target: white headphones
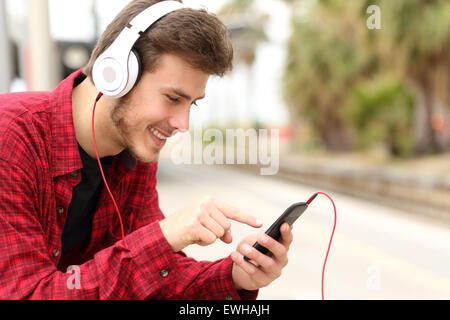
x,y
117,70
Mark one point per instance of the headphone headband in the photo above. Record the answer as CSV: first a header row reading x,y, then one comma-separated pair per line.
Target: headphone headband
x,y
115,71
149,16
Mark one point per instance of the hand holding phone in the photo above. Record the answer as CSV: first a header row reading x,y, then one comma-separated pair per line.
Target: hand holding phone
x,y
289,216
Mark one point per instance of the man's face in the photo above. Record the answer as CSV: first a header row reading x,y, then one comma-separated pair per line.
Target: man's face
x,y
157,107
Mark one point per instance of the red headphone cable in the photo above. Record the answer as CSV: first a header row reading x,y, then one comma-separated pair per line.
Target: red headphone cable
x,y
101,168
331,239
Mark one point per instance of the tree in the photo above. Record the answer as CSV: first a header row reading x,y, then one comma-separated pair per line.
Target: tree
x,y
333,55
417,34
327,58
381,111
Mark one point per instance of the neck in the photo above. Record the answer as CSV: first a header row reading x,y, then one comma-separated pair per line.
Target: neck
x,y
83,99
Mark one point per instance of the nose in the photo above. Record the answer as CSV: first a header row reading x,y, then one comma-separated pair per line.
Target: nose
x,y
180,119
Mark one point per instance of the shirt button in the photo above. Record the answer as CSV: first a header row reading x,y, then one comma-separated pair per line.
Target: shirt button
x,y
164,273
56,253
74,174
229,297
60,210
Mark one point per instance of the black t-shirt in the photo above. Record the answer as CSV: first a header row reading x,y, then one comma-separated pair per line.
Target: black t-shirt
x,y
85,195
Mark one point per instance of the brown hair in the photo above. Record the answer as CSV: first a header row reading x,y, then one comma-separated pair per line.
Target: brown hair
x,y
197,36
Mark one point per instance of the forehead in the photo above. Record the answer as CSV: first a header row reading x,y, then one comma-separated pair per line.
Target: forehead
x,y
172,72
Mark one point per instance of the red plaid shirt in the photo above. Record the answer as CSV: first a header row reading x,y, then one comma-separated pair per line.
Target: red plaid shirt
x,y
39,167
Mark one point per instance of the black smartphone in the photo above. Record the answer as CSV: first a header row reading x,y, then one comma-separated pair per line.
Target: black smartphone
x,y
290,216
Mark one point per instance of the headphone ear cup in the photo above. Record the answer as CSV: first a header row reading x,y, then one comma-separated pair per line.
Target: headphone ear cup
x,y
139,62
134,72
107,74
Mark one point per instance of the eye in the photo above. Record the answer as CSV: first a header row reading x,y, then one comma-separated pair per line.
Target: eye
x,y
172,99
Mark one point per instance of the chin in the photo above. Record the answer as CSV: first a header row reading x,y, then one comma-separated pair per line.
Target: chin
x,y
144,151
146,157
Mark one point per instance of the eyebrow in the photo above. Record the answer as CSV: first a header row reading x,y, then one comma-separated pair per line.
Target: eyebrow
x,y
181,93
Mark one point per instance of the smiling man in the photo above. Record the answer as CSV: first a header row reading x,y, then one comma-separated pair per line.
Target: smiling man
x,y
56,214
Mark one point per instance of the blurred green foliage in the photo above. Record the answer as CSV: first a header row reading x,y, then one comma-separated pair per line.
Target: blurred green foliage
x,y
325,61
358,87
382,110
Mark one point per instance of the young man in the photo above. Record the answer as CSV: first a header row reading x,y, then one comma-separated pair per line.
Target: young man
x,y
60,234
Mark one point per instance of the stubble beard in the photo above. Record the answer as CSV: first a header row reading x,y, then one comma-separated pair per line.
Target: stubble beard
x,y
119,120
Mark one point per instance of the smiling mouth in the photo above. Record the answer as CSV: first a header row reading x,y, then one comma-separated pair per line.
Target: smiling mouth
x,y
158,134
158,138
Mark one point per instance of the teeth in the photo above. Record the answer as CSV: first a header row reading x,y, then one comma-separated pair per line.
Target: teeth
x,y
157,134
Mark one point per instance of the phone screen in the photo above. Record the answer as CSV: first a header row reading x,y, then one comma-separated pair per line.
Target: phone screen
x,y
295,214
290,216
